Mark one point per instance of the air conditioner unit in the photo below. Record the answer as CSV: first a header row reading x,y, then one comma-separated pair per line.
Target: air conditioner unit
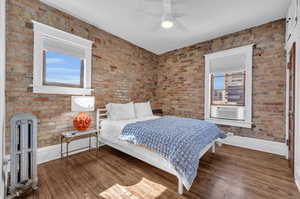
x,y
228,112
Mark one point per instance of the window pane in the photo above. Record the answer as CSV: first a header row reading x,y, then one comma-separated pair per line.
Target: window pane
x,y
228,89
218,89
62,69
235,87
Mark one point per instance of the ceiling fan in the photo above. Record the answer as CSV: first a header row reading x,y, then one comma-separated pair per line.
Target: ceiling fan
x,y
169,18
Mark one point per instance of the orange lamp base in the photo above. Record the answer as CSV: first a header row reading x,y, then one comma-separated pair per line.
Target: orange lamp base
x,y
82,121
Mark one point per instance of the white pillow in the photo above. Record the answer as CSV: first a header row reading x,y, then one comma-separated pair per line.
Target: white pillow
x,y
118,112
143,110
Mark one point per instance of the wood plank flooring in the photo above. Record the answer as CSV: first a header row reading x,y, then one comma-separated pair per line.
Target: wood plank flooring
x,y
230,173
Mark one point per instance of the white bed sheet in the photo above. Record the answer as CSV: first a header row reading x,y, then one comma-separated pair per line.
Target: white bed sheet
x,y
110,132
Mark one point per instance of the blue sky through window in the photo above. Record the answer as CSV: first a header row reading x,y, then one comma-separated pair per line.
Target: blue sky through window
x,y
219,82
62,69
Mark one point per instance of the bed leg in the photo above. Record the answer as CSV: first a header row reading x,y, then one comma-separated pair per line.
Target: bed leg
x,y
180,186
219,143
213,148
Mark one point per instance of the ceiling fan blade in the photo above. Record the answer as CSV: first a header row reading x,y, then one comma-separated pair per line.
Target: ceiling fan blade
x,y
148,14
155,27
178,15
180,25
142,9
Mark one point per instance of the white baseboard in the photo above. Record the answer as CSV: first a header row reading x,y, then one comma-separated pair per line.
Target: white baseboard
x,y
49,153
297,181
257,144
297,177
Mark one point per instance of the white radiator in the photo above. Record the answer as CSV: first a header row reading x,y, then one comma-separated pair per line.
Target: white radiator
x,y
23,167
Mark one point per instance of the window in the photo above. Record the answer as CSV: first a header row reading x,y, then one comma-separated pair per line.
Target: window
x,y
62,62
62,70
228,87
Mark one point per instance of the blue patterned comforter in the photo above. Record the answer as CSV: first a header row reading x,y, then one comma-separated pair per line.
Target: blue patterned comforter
x,y
179,140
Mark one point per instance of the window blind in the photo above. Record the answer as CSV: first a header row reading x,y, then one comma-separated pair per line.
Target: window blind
x,y
63,47
232,63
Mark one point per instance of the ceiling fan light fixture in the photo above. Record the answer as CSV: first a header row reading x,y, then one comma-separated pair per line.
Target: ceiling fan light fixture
x,y
167,21
167,24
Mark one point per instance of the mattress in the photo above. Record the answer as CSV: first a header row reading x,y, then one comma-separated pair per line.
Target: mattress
x,y
110,132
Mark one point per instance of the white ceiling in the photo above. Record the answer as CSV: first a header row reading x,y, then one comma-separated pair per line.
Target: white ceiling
x,y
134,20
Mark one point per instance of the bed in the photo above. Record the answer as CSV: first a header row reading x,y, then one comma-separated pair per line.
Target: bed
x,y
110,132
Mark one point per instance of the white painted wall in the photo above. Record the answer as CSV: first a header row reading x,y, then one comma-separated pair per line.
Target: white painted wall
x,y
296,38
293,30
297,113
2,93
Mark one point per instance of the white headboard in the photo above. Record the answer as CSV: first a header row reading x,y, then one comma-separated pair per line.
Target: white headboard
x,y
102,114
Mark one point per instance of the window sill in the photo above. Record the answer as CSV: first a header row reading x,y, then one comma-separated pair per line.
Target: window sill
x,y
61,90
243,124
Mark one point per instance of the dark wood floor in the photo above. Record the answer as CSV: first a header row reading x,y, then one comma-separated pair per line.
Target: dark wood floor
x,y
231,173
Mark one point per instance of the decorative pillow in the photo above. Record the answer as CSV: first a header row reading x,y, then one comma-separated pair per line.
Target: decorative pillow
x,y
120,111
143,110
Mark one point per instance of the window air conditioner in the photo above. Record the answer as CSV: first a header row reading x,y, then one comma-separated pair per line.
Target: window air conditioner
x,y
228,112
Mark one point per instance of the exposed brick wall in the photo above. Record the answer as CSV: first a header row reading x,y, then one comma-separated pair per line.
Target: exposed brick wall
x,y
180,83
121,72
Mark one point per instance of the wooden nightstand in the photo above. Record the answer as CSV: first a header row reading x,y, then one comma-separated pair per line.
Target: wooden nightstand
x,y
70,136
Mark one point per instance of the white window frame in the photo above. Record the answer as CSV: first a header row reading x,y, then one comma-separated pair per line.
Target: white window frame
x,y
248,51
42,31
2,94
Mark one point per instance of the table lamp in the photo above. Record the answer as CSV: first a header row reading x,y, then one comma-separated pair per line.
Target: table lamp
x,y
82,104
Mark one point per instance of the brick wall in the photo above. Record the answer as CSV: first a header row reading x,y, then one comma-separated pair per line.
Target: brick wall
x,y
121,72
180,86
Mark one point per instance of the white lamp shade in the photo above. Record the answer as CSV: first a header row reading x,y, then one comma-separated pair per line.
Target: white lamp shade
x,y
83,103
